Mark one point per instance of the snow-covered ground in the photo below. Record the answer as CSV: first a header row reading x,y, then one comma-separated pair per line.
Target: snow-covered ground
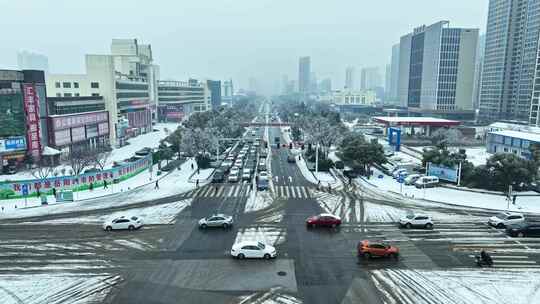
x,y
55,288
451,196
276,295
324,177
476,155
171,184
203,175
153,215
258,201
467,286
266,235
150,140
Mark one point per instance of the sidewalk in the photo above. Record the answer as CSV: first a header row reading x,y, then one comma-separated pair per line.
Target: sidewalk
x,y
175,182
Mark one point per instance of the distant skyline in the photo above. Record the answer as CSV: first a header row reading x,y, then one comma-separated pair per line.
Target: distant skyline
x,y
235,39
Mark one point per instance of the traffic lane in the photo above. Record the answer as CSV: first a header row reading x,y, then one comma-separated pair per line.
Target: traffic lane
x,y
325,259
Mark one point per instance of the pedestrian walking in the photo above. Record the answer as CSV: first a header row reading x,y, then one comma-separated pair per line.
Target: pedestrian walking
x,y
192,168
318,185
198,171
197,183
157,184
105,184
54,192
329,188
91,186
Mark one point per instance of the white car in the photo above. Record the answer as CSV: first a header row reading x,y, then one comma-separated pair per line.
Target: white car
x,y
234,176
263,175
411,179
416,220
123,223
501,220
253,249
399,172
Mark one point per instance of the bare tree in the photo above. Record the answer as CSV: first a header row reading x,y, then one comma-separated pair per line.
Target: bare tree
x,y
78,160
101,156
43,169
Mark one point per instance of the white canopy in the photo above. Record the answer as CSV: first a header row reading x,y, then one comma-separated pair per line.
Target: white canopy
x,y
48,151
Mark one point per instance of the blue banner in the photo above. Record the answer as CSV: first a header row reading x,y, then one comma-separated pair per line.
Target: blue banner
x,y
443,173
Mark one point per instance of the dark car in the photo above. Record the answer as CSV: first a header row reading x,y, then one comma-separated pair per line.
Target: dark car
x,y
323,220
219,177
523,229
339,165
350,173
291,159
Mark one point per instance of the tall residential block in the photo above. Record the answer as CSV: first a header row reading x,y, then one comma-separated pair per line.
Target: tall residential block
x,y
394,76
508,71
27,60
304,74
436,70
349,78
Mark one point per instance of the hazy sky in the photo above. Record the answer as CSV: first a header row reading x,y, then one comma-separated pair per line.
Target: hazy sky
x,y
224,39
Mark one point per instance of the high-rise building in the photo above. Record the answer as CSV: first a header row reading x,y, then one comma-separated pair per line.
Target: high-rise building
x,y
314,84
253,85
178,99
27,60
326,85
508,72
349,78
228,92
394,76
387,81
478,69
304,74
370,78
215,93
436,74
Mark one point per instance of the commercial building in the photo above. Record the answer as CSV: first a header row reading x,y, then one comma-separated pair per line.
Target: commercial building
x,y
515,142
436,70
508,72
370,78
22,116
304,75
364,98
478,70
178,99
392,89
127,82
27,60
349,78
228,92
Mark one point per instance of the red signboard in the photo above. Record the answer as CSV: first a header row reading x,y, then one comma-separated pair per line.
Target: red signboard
x,y
31,108
79,120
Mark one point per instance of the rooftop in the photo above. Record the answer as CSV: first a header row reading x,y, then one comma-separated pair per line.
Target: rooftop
x,y
517,134
416,121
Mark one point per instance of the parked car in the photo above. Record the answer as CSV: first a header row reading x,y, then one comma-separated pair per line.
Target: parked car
x,y
411,179
523,229
350,173
398,172
216,220
504,219
253,249
426,182
339,165
416,220
123,223
367,250
323,220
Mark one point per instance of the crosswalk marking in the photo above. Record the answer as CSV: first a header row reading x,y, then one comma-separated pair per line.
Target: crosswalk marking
x,y
293,194
287,191
244,190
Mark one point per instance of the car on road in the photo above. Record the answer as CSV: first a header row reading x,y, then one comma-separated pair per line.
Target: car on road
x,y
246,174
234,176
411,179
291,158
262,184
262,166
367,250
417,221
263,175
524,229
253,249
323,220
123,223
503,219
216,220
219,177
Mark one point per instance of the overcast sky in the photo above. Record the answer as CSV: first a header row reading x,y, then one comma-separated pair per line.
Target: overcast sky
x,y
224,39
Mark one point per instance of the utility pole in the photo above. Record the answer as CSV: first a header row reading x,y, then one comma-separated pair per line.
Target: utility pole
x,y
317,159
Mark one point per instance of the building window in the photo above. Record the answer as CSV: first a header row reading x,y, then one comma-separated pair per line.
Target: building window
x,y
57,84
77,94
67,94
58,94
94,85
95,94
66,85
76,85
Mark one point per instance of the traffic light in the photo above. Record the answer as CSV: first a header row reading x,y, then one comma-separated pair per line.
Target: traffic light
x,y
265,144
277,145
290,145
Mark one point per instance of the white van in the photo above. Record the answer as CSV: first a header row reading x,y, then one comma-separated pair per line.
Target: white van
x,y
426,182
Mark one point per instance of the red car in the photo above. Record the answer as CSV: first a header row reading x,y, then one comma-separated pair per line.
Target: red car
x,y
367,249
323,220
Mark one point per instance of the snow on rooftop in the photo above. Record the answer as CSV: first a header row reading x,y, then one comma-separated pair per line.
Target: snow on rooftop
x,y
413,119
517,134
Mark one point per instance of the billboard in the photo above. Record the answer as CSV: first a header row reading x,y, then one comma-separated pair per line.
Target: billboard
x,y
78,120
443,173
13,144
31,108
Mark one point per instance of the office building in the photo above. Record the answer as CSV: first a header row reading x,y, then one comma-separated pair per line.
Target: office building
x,y
23,116
27,60
304,74
179,99
387,81
127,81
370,78
478,70
392,90
228,92
349,78
215,93
508,72
326,85
436,70
515,142
363,98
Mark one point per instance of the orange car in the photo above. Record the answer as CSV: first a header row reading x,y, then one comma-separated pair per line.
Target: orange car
x,y
367,249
